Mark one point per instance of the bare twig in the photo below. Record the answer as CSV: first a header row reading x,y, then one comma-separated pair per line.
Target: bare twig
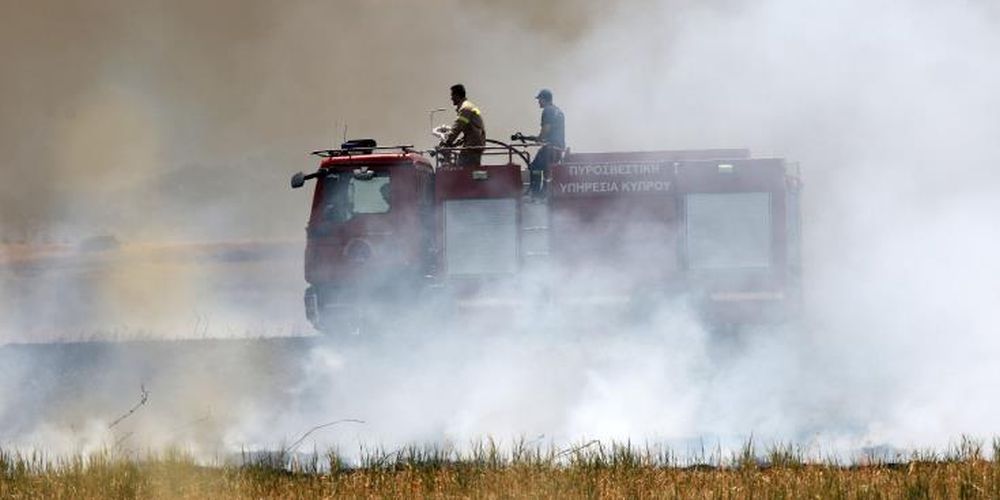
x,y
122,439
578,448
385,457
143,398
318,427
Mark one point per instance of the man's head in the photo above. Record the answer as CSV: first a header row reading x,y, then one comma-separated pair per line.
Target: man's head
x,y
457,94
544,98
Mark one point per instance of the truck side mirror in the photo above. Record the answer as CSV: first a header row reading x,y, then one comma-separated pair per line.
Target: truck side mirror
x,y
298,180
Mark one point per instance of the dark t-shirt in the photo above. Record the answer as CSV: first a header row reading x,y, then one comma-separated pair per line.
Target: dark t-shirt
x,y
553,116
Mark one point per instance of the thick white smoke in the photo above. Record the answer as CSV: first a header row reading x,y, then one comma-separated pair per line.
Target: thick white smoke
x,y
889,109
889,106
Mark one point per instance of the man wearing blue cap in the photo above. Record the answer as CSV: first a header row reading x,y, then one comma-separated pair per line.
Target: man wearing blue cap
x,y
553,135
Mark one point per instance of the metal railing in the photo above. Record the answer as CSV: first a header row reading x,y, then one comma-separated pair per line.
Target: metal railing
x,y
448,154
362,150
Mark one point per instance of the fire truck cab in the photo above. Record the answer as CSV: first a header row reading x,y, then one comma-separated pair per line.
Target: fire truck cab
x,y
392,226
367,235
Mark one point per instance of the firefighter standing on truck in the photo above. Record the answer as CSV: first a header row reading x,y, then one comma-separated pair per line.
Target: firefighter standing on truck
x,y
553,135
469,125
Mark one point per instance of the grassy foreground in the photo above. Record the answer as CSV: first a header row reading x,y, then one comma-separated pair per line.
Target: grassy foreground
x,y
615,472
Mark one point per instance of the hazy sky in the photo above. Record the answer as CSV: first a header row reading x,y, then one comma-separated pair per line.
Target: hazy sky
x,y
137,118
172,120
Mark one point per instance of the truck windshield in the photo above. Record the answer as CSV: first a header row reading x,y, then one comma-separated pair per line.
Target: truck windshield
x,y
346,195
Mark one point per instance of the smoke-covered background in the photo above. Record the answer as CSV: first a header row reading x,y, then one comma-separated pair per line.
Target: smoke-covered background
x,y
180,121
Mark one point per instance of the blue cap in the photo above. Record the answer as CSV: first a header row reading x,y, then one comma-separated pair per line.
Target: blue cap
x,y
544,94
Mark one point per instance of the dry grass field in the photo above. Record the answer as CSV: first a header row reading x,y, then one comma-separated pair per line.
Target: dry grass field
x,y
591,470
607,472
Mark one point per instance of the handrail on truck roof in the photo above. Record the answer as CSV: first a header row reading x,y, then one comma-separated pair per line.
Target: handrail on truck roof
x,y
361,150
500,148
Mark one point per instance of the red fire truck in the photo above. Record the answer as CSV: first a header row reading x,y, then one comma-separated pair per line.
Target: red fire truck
x,y
717,229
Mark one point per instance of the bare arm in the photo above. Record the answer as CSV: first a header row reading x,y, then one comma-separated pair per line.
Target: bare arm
x,y
544,132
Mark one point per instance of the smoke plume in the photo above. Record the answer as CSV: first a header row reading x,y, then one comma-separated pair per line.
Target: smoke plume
x,y
170,121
